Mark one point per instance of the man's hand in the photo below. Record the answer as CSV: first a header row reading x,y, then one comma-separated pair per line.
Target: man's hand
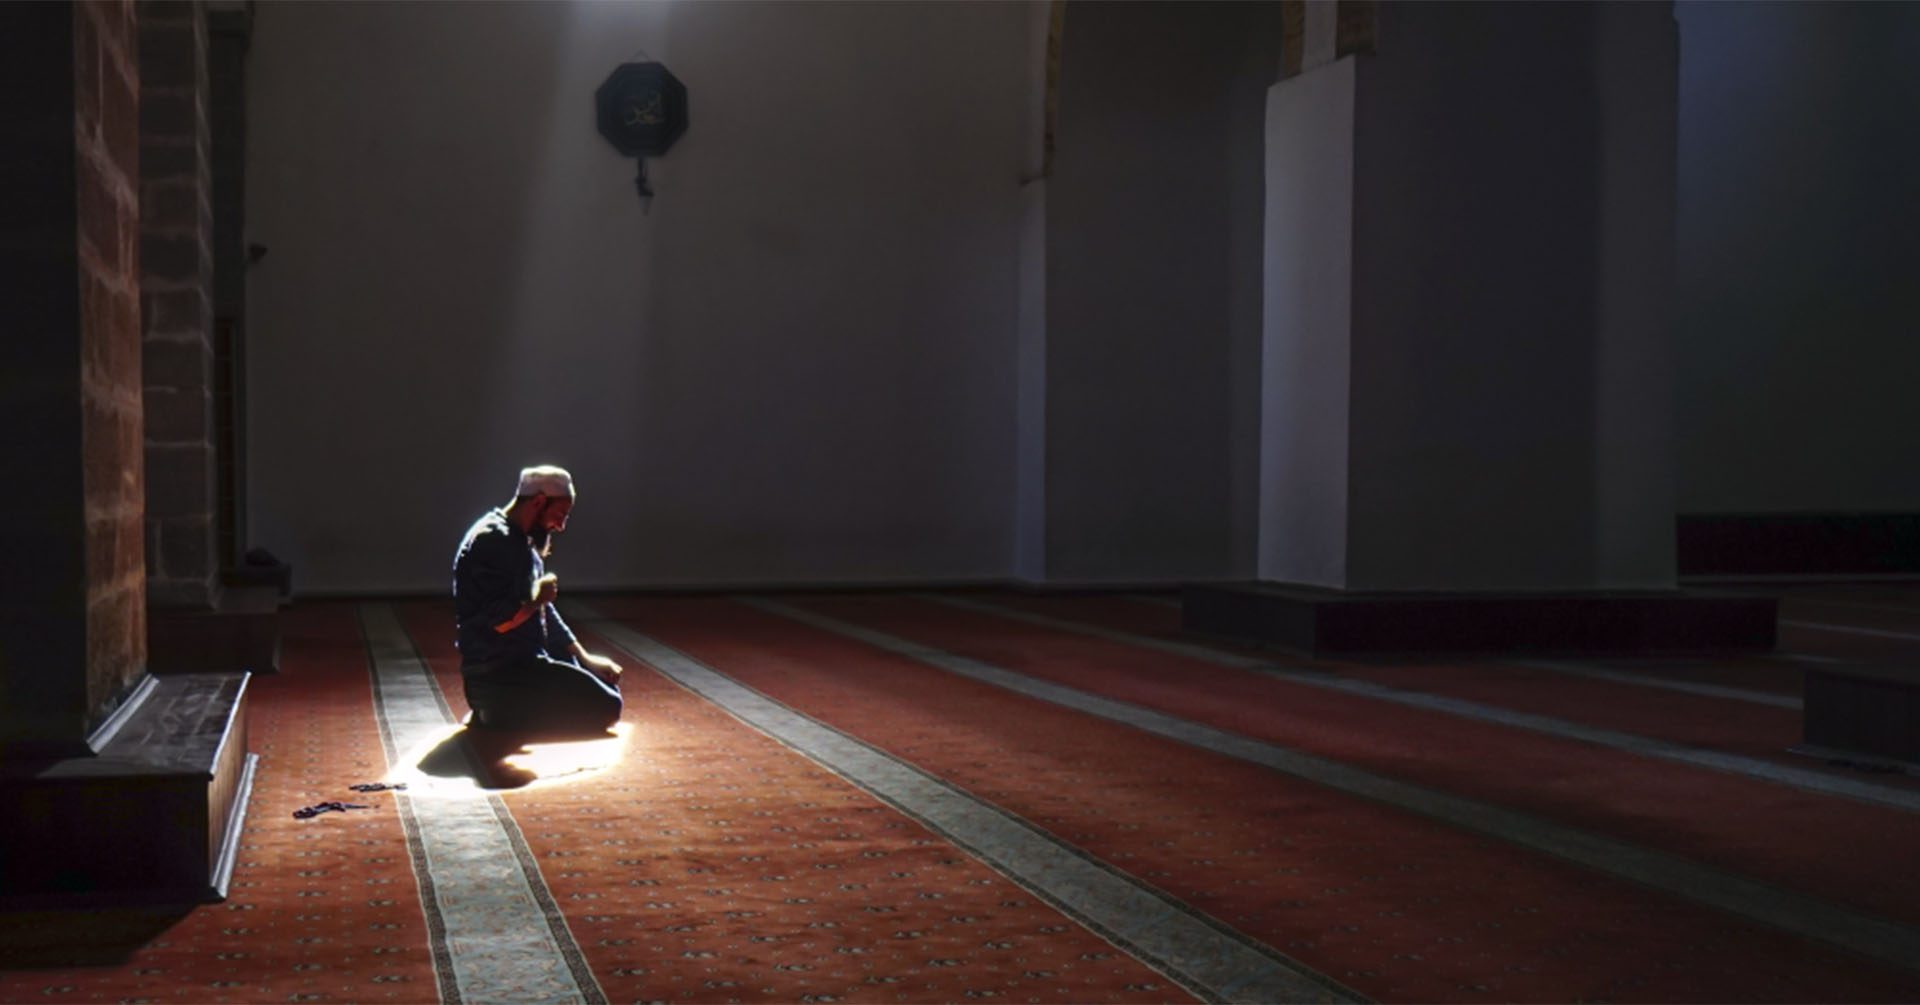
x,y
546,589
601,667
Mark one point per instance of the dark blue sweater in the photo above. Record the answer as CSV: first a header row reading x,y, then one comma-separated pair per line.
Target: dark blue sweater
x,y
493,574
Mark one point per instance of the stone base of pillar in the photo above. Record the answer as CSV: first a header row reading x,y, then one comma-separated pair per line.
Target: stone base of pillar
x,y
153,816
259,570
1323,622
241,633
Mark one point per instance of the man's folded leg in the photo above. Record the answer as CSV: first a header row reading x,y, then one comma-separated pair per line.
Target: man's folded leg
x,y
542,696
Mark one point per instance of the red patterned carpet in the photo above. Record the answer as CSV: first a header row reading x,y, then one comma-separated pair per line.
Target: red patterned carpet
x,y
1759,828
713,864
714,857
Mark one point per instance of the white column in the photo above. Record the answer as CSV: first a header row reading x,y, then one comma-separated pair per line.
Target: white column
x,y
1469,299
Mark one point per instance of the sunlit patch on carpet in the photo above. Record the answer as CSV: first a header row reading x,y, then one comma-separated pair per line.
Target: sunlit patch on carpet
x,y
457,761
713,863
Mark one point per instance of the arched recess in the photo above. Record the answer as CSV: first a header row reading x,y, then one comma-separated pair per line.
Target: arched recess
x,y
1316,32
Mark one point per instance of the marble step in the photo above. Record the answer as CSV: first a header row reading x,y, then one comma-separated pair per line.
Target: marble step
x,y
153,815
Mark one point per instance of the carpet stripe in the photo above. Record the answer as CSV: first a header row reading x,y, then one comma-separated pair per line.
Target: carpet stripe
x,y
1810,781
1849,630
1804,916
529,863
1804,658
1214,962
1663,683
437,943
481,889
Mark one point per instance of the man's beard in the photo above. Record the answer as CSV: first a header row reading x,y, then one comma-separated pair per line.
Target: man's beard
x,y
542,540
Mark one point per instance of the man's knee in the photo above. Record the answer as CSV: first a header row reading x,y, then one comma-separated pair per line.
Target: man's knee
x,y
596,703
606,707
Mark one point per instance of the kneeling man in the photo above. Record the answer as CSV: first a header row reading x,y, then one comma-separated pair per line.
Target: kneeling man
x,y
521,666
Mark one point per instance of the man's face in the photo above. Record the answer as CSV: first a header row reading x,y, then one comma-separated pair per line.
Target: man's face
x,y
552,515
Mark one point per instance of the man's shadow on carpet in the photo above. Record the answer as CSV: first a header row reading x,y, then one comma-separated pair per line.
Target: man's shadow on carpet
x,y
480,756
506,759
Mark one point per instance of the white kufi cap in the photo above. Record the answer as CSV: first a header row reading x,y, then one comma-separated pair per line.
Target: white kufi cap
x,y
545,480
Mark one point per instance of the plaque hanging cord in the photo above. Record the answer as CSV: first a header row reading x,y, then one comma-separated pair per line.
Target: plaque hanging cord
x,y
640,163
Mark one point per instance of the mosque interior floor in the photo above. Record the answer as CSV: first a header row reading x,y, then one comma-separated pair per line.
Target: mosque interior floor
x,y
1033,798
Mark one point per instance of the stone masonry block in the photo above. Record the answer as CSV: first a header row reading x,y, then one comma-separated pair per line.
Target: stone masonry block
x,y
168,54
97,310
186,549
110,473
179,481
99,214
102,562
129,257
170,257
171,113
163,594
177,366
120,123
110,359
130,546
178,415
169,206
123,356
123,569
177,312
116,638
168,12
170,159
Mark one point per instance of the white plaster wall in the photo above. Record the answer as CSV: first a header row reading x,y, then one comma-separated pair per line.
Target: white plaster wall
x,y
1473,461
1030,422
1262,29
1030,365
798,367
1306,351
1512,227
1799,336
1140,420
1637,52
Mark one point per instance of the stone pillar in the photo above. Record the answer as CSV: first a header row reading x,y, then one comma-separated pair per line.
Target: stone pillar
x,y
229,30
1483,317
1512,309
1044,25
1141,318
89,741
193,287
177,294
1468,313
72,602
